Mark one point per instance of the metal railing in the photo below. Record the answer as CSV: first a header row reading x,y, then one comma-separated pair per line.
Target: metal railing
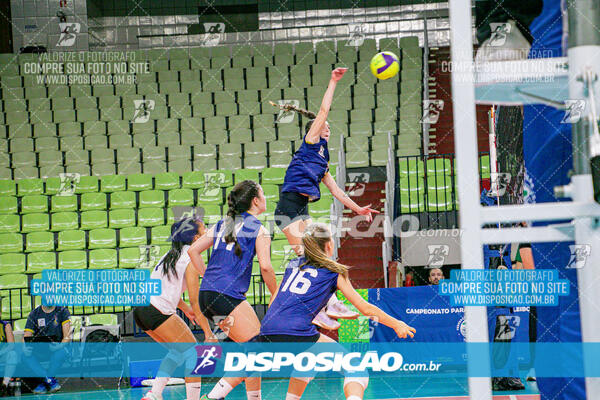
x,y
426,189
387,246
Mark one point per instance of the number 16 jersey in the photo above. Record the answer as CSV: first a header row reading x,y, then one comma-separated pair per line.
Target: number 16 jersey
x,y
302,294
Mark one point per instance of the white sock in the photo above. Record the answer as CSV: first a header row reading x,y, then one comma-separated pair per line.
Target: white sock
x,y
290,396
354,397
221,390
192,390
253,394
159,385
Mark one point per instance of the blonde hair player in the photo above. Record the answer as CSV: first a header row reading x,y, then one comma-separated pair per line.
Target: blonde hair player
x,y
307,284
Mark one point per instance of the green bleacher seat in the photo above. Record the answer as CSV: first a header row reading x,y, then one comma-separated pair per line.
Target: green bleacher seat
x,y
437,166
129,257
181,197
122,200
113,183
103,259
8,188
210,195
72,259
484,166
34,222
101,319
244,174
34,204
379,157
39,241
439,199
23,158
273,176
271,192
30,187
92,201
152,198
410,166
11,242
121,218
12,263
151,217
160,234
10,223
8,282
102,238
412,201
71,240
93,219
63,221
37,262
179,166
166,181
15,307
154,167
63,203
132,236
139,182
280,160
8,205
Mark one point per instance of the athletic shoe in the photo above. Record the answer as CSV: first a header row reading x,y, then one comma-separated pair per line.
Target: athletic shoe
x,y
339,310
40,389
53,385
507,383
506,43
151,396
322,320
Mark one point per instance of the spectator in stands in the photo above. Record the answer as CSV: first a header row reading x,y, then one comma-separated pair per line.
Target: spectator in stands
x,y
48,324
8,357
435,276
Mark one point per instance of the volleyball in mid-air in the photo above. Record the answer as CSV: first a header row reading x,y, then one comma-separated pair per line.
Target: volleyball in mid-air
x,y
385,65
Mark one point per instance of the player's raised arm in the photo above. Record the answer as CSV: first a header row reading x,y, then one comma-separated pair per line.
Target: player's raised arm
x,y
339,194
314,132
374,312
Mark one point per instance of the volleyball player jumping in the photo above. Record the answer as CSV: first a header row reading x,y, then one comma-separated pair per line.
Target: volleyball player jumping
x,y
308,168
160,320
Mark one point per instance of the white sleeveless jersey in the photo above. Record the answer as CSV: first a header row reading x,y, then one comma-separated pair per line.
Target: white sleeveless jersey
x,y
172,287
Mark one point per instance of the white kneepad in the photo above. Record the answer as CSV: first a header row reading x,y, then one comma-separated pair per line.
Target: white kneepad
x,y
361,380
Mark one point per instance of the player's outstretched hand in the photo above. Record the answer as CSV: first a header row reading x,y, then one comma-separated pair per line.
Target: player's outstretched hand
x,y
403,330
367,211
337,73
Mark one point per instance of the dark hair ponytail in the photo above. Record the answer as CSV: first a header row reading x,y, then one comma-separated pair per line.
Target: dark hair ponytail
x,y
305,113
239,201
182,234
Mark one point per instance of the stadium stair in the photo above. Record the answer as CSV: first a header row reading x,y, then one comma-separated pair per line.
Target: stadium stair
x,y
363,254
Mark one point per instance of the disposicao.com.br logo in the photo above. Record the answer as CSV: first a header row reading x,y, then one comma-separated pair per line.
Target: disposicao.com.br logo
x,y
353,362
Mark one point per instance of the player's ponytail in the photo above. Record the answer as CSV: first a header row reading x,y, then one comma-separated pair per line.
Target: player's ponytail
x,y
239,201
182,233
315,237
305,113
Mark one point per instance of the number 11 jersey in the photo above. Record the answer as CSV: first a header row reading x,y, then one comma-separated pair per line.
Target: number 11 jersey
x,y
302,294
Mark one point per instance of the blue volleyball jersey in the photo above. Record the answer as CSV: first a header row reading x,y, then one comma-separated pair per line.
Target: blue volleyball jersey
x,y
227,273
307,169
302,294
